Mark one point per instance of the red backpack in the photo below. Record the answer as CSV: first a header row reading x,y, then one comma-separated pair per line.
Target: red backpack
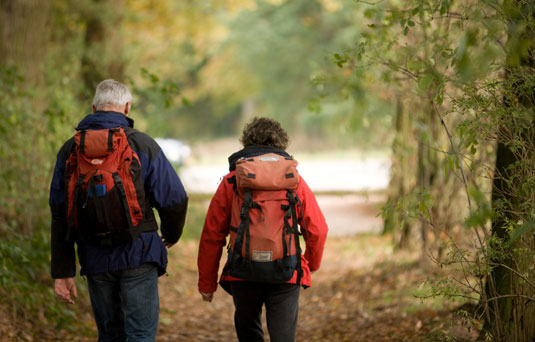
x,y
264,235
105,191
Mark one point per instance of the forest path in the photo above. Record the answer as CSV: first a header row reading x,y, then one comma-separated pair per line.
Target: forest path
x,y
363,292
360,294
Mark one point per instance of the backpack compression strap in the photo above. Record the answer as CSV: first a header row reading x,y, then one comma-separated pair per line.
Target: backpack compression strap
x,y
295,230
119,184
243,229
98,203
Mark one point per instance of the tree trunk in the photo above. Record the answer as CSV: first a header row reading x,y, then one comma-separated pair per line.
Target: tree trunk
x,y
507,293
23,36
396,222
510,288
427,175
103,57
23,39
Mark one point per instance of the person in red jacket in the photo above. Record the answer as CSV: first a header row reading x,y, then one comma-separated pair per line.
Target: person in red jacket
x,y
260,136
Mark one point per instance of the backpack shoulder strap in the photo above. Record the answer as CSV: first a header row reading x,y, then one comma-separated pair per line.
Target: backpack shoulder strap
x,y
69,147
232,180
129,130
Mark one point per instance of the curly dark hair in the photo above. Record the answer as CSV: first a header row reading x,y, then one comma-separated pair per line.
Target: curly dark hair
x,y
264,131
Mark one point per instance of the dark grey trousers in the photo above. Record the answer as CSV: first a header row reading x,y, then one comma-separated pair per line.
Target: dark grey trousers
x,y
282,304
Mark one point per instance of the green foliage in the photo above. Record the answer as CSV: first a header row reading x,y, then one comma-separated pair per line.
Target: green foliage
x,y
482,213
197,208
26,287
35,120
29,142
466,69
282,58
19,194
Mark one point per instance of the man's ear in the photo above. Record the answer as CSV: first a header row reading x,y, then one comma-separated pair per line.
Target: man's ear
x,y
127,108
94,108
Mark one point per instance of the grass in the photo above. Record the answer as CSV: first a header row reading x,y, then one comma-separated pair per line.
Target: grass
x,y
197,208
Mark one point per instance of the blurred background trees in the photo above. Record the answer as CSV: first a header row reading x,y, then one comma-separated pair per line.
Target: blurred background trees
x,y
447,86
198,70
465,73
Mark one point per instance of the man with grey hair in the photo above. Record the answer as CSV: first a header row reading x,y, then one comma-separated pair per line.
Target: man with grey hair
x,y
112,93
108,213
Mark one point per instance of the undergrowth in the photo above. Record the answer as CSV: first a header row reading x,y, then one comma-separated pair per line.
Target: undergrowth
x,y
26,289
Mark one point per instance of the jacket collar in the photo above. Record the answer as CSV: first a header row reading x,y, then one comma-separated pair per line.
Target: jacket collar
x,y
105,119
253,151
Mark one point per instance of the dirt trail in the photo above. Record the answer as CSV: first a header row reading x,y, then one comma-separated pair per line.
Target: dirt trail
x,y
184,317
359,295
362,292
350,214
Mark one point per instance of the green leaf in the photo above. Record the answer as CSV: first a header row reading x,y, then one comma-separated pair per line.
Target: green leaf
x,y
425,81
186,102
370,13
449,165
440,97
411,23
423,209
523,229
406,30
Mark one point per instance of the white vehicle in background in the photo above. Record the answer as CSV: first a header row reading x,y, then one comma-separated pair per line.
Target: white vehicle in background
x,y
175,150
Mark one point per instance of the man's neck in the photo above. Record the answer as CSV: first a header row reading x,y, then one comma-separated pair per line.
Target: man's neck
x,y
110,109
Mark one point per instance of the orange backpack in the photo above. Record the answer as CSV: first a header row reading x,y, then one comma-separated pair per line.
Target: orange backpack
x,y
105,191
264,235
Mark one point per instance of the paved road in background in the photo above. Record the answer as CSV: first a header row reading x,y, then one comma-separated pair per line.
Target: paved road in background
x,y
346,213
366,174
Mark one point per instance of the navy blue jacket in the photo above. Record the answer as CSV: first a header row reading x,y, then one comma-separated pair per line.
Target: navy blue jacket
x,y
163,190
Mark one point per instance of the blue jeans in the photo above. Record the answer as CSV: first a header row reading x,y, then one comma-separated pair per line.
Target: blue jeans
x,y
126,304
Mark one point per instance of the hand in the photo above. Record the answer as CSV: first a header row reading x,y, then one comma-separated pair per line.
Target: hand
x,y
64,288
166,243
207,296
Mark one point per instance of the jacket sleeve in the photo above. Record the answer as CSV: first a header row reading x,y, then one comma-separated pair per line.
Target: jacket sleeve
x,y
63,260
313,225
164,189
214,235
